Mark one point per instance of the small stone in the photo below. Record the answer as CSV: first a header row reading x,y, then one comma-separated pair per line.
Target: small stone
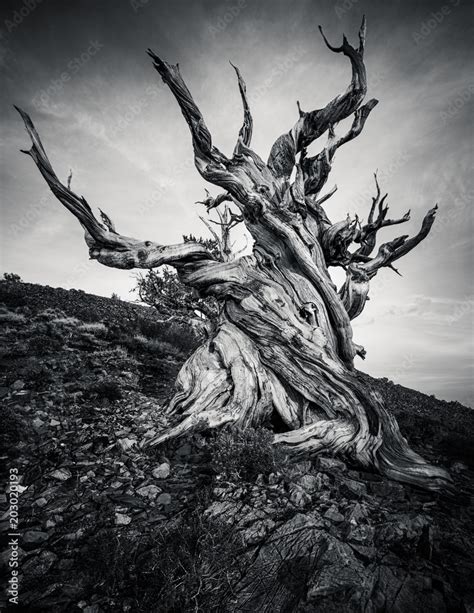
x,y
54,423
34,537
162,471
333,515
310,483
61,474
41,502
357,514
331,464
148,491
50,523
299,497
121,519
37,423
353,488
18,385
126,443
164,499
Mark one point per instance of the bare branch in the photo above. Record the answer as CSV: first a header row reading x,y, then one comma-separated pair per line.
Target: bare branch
x,y
212,165
245,133
313,124
392,251
105,244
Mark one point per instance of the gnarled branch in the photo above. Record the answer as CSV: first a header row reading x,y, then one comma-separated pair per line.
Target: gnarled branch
x,y
105,244
313,124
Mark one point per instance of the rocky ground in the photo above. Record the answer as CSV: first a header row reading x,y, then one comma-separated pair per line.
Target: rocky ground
x,y
213,522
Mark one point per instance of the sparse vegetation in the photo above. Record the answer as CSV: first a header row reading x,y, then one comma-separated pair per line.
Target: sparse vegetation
x,y
245,454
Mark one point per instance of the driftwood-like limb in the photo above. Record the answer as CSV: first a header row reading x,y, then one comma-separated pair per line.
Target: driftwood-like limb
x,y
245,133
105,244
312,125
281,343
392,251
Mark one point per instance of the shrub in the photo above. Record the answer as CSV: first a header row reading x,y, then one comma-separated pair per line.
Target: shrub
x,y
178,334
66,321
109,388
244,453
187,566
11,318
157,347
42,343
96,328
12,277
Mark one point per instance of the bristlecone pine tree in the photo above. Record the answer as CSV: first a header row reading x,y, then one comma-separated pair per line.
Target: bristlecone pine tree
x,y
282,346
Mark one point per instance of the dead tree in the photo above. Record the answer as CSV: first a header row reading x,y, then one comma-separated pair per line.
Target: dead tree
x,y
283,345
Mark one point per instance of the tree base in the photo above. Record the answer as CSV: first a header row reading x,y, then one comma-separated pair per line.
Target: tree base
x,y
226,382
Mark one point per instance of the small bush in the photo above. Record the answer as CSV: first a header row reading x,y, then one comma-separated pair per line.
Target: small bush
x,y
12,277
49,314
244,453
42,343
11,318
66,321
175,333
186,567
110,389
158,347
96,328
87,313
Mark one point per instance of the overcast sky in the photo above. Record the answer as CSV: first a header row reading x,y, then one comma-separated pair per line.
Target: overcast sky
x,y
81,71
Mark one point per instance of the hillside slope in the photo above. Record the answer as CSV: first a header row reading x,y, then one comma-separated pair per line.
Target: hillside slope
x,y
212,522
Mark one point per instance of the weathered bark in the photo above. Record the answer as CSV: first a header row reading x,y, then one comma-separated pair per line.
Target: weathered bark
x,y
282,346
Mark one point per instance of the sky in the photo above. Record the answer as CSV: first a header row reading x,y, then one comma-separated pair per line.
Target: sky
x,y
81,71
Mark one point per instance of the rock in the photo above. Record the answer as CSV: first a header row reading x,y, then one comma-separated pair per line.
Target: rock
x,y
121,519
37,423
41,502
149,491
34,537
353,488
298,496
333,515
61,474
164,499
126,443
362,534
357,514
162,471
39,565
54,423
184,450
18,384
311,483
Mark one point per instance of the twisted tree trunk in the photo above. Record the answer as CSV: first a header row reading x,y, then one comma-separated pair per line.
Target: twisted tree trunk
x,y
282,345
